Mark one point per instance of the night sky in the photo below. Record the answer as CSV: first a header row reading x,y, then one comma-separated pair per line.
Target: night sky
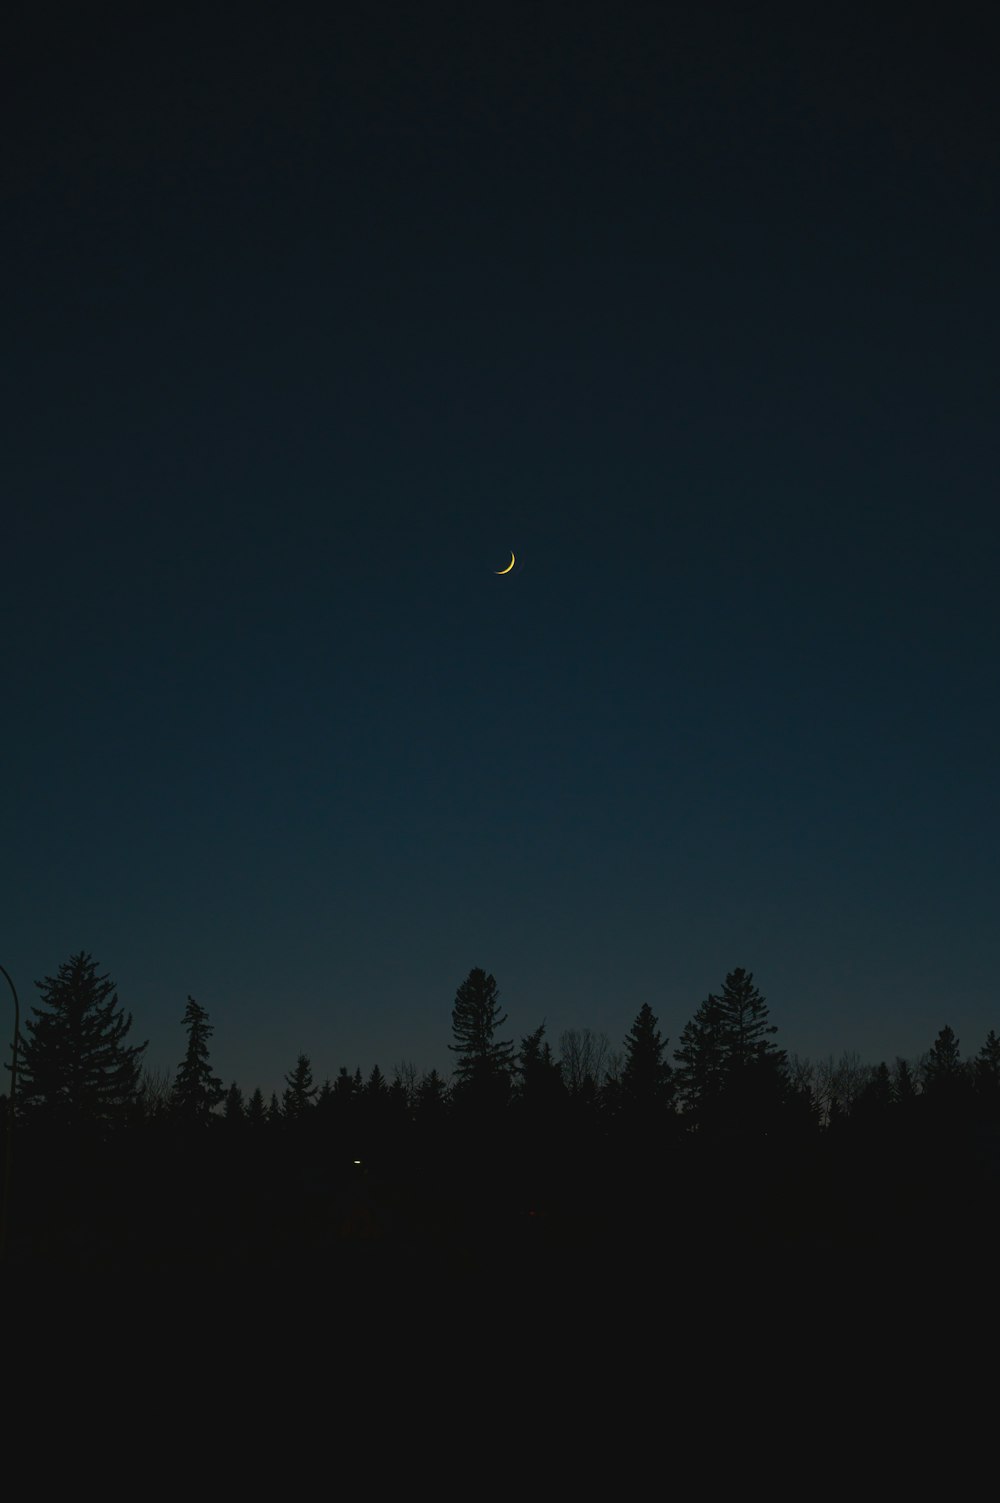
x,y
313,317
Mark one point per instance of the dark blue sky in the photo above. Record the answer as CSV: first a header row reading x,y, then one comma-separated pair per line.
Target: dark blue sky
x,y
310,323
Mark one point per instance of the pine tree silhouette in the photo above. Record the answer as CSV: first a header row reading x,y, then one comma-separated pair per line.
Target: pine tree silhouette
x,y
234,1110
987,1072
298,1096
77,1070
483,1062
701,1058
904,1087
432,1098
647,1079
376,1088
729,1072
541,1088
256,1109
196,1090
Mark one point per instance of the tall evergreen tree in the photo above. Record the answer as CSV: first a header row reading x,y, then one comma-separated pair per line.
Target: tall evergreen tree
x,y
298,1096
729,1071
904,1087
77,1070
701,1059
482,1060
647,1079
234,1110
943,1072
376,1088
540,1073
256,1109
431,1098
196,1090
946,1082
987,1070
346,1086
743,1015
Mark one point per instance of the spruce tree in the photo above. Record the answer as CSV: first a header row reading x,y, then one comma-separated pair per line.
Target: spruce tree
x,y
376,1088
431,1097
234,1109
743,1017
701,1060
943,1061
947,1084
729,1071
77,1070
647,1079
483,1062
196,1090
904,1089
345,1087
987,1071
256,1109
541,1083
298,1096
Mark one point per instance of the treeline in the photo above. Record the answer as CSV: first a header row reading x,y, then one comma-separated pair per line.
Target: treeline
x,y
589,1154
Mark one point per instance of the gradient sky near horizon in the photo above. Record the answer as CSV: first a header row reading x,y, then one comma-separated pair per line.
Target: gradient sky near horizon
x,y
313,317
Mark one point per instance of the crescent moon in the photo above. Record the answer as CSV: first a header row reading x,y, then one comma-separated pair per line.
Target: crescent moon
x,y
508,568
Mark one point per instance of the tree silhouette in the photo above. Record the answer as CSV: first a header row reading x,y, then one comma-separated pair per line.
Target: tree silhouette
x,y
298,1095
729,1071
77,1069
943,1060
946,1082
483,1062
343,1086
904,1087
376,1088
156,1093
987,1072
582,1055
743,1014
196,1089
405,1075
876,1100
256,1109
234,1110
647,1080
431,1098
541,1087
701,1060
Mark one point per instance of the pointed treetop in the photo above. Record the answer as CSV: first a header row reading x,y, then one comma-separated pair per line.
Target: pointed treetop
x,y
76,1066
647,1079
475,1019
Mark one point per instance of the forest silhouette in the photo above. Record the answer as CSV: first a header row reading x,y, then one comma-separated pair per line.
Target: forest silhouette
x,y
548,1159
